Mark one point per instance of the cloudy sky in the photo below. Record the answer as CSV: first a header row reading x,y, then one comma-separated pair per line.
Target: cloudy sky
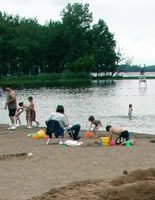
x,y
132,21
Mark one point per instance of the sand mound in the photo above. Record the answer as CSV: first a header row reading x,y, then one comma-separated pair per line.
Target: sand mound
x,y
135,176
137,185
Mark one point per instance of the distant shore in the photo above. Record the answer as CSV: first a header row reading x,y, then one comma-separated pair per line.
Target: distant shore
x,y
121,77
66,80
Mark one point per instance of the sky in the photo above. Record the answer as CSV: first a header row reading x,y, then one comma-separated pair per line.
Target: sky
x,y
132,21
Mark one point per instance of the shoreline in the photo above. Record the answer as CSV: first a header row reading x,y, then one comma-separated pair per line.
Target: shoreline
x,y
83,131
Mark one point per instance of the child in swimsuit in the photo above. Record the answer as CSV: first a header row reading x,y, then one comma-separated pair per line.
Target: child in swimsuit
x,y
31,114
97,124
19,111
130,111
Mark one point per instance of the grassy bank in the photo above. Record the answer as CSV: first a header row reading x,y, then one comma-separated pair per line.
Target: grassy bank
x,y
68,79
48,80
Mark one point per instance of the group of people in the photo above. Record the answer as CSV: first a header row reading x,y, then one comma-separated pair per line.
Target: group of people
x,y
57,122
123,134
15,111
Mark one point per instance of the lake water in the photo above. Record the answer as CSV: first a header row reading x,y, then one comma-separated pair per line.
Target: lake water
x,y
108,103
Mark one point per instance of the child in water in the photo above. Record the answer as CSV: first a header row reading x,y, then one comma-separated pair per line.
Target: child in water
x,y
31,114
97,124
130,111
19,111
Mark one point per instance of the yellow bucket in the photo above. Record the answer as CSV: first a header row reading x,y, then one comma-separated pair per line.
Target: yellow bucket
x,y
41,133
105,141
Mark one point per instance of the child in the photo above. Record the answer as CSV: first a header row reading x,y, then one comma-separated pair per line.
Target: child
x,y
31,114
97,124
130,111
124,135
19,111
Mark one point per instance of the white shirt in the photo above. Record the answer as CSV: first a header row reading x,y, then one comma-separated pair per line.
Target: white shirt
x,y
61,118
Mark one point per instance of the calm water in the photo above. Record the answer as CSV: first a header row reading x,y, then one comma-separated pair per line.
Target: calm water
x,y
109,103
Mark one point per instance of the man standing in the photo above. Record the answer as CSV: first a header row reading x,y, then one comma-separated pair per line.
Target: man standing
x,y
11,104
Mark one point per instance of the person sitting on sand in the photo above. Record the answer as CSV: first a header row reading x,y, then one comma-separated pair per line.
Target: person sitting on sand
x,y
62,119
124,135
97,124
59,116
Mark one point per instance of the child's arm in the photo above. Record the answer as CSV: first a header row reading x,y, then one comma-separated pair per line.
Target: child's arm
x,y
65,121
110,134
20,112
90,126
25,106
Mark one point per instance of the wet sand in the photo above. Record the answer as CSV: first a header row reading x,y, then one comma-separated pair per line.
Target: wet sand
x,y
53,166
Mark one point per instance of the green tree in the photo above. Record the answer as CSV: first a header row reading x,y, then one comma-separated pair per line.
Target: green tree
x,y
82,64
77,21
105,54
56,47
7,51
26,47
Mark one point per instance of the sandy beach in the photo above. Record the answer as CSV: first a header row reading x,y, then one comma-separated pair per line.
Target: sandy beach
x,y
60,172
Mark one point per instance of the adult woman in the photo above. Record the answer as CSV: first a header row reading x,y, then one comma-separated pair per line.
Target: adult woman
x,y
57,122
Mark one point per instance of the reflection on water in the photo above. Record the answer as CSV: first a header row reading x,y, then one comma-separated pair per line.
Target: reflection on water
x,y
107,102
142,91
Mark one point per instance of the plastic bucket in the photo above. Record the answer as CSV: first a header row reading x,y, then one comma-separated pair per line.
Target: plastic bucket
x,y
128,143
41,133
105,141
112,142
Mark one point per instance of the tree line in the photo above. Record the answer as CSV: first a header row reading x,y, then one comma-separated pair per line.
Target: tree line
x,y
136,68
71,44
